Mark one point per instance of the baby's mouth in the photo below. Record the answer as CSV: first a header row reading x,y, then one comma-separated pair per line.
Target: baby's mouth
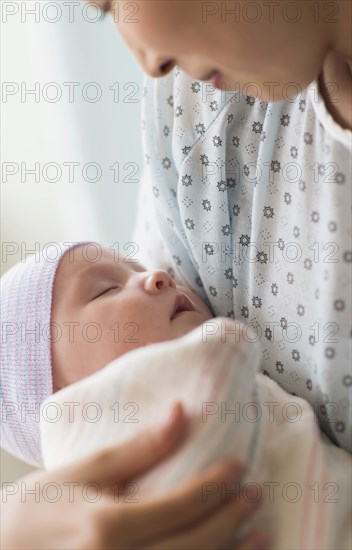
x,y
182,305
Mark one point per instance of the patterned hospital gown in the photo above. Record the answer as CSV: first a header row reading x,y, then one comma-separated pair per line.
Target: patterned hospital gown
x,y
248,203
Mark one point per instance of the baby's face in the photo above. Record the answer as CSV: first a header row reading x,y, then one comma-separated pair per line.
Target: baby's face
x,y
107,308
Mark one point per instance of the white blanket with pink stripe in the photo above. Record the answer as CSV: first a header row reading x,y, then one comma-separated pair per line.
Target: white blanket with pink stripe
x,y
304,480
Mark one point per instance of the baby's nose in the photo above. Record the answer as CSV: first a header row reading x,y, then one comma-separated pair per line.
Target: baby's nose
x,y
157,281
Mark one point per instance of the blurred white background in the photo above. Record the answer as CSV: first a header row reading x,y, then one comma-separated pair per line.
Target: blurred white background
x,y
70,108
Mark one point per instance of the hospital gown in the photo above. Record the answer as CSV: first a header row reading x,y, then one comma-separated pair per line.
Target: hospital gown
x,y
248,203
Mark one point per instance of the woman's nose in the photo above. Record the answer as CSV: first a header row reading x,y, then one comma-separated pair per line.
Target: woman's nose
x,y
157,281
156,66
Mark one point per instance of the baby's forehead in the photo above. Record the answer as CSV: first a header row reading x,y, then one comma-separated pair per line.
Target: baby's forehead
x,y
94,258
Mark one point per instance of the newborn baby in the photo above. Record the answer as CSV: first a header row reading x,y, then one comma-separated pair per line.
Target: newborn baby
x,y
67,312
106,332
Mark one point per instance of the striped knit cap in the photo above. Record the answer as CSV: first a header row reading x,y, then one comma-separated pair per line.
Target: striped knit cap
x,y
26,374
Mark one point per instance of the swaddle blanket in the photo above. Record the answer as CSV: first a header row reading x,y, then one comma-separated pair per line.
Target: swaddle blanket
x,y
304,480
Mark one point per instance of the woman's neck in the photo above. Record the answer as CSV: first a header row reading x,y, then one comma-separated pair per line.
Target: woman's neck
x,y
335,85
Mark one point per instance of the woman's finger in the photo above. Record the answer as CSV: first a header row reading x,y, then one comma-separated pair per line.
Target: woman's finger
x,y
132,458
182,509
256,540
215,531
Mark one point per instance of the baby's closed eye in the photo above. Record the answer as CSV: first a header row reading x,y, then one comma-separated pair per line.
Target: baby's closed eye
x,y
105,291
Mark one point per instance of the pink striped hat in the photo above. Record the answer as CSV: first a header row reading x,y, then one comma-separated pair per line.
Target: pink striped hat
x,y
26,373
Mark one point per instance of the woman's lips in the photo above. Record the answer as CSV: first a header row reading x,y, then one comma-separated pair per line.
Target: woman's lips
x,y
215,78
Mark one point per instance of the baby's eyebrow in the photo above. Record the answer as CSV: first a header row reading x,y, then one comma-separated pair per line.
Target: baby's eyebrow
x,y
91,270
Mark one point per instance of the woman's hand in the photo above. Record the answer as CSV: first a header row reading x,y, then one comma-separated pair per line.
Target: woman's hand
x,y
183,519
